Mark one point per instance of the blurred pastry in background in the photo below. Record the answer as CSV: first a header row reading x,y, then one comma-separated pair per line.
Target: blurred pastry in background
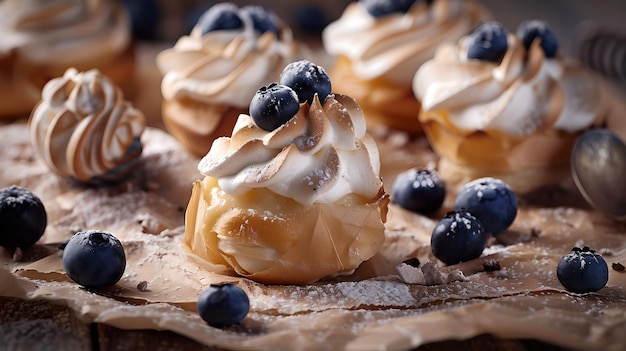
x,y
41,39
508,105
210,75
379,45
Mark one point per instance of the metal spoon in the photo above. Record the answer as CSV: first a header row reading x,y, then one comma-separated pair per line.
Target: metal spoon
x,y
598,166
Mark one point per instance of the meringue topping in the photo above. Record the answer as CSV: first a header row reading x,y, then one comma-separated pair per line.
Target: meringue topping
x,y
524,93
225,66
398,43
83,128
321,155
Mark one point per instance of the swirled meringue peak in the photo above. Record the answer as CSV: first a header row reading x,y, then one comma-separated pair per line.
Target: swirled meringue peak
x,y
84,129
320,155
225,63
394,46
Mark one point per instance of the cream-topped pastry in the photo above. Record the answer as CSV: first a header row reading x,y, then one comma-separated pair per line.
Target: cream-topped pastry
x,y
84,129
377,53
41,39
515,116
211,74
293,204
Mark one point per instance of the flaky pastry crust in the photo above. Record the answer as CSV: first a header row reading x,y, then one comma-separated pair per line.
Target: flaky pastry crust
x,y
273,239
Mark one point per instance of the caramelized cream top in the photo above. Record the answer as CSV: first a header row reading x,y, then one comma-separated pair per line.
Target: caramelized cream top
x,y
524,93
322,154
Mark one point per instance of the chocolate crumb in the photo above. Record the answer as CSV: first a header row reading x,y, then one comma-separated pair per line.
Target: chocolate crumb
x,y
413,262
142,286
491,265
534,232
618,267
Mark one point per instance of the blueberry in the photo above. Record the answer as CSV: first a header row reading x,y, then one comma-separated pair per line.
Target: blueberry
x,y
94,259
458,237
487,42
273,105
379,8
419,190
223,305
223,16
582,271
530,30
311,18
491,200
306,79
145,16
23,217
263,20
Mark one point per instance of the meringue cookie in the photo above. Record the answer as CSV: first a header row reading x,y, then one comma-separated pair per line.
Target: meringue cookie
x,y
84,129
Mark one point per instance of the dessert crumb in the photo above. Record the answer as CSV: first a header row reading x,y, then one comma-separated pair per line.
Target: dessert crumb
x,y
142,286
535,232
413,262
428,274
618,267
491,265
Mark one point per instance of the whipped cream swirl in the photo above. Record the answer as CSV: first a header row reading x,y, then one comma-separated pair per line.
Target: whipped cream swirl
x,y
83,128
225,66
394,46
322,154
524,93
63,32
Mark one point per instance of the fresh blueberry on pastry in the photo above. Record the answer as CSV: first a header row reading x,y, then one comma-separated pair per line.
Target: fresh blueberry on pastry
x,y
273,105
221,16
379,8
529,31
306,79
487,42
263,19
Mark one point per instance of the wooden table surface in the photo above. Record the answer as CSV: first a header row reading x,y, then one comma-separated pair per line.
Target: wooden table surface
x,y
39,325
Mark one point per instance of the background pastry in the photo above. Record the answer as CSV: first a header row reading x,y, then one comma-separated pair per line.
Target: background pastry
x,y
508,106
379,45
41,39
211,74
282,200
84,129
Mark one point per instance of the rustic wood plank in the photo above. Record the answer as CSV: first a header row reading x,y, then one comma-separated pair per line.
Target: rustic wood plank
x,y
110,338
40,325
